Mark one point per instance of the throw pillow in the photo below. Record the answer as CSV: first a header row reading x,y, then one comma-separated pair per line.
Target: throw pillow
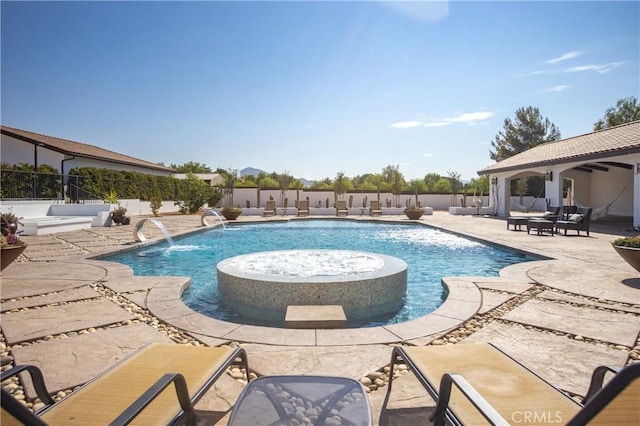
x,y
576,218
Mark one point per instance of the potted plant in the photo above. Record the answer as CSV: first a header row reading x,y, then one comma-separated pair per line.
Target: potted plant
x,y
119,215
231,212
629,249
11,245
415,212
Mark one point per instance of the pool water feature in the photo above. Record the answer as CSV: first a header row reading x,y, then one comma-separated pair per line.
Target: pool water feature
x,y
431,254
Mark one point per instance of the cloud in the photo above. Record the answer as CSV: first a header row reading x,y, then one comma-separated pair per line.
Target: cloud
x,y
599,68
470,118
406,124
558,88
429,154
564,57
465,117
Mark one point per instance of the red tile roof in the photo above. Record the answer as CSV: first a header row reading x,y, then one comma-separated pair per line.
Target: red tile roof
x,y
618,140
79,149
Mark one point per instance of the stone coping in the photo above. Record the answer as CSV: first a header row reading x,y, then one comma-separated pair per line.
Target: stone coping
x,y
462,302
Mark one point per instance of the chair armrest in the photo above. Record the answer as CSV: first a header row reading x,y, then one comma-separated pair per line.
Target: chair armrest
x,y
153,392
608,393
478,401
36,378
597,378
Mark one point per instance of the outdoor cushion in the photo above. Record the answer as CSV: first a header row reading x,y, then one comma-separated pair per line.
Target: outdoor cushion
x,y
576,218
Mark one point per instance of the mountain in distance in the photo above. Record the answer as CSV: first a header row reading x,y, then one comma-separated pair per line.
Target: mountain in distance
x,y
255,172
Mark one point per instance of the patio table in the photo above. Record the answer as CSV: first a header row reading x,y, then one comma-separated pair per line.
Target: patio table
x,y
304,399
540,225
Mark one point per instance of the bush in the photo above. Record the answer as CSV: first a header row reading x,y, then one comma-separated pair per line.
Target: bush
x,y
633,242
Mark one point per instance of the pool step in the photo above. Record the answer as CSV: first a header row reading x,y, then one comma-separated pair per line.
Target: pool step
x,y
315,316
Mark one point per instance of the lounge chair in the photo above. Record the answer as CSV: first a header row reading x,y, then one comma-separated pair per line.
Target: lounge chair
x,y
303,207
578,221
341,208
374,208
270,208
491,386
135,387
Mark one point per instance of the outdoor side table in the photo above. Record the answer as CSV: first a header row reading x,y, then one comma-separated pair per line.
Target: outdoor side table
x,y
284,400
517,222
540,225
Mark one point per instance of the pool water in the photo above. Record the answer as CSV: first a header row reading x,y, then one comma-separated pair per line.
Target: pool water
x,y
430,253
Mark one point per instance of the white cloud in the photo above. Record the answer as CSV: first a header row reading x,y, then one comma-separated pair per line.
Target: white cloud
x,y
465,117
564,57
558,88
406,124
430,154
439,123
470,118
599,68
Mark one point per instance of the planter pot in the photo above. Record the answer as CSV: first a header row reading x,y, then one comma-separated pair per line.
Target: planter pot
x,y
630,254
231,214
414,214
118,218
9,254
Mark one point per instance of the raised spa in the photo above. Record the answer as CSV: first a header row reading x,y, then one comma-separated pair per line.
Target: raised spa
x,y
262,285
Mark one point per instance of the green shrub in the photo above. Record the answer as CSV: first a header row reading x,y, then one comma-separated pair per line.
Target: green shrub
x,y
627,242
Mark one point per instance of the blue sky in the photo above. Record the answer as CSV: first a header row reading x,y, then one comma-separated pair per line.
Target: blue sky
x,y
313,88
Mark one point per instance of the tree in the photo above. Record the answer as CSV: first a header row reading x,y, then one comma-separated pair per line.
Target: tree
x,y
192,167
417,186
625,111
391,175
430,180
284,181
342,185
528,130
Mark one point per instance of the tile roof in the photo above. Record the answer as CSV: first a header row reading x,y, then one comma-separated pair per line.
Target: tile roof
x,y
618,140
78,149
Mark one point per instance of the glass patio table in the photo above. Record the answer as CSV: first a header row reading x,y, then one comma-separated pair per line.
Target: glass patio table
x,y
288,400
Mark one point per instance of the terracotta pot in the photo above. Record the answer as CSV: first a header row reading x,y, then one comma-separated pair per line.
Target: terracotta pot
x,y
9,254
414,214
631,255
231,214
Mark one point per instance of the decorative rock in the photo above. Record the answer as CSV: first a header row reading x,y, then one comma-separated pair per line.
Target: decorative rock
x,y
366,381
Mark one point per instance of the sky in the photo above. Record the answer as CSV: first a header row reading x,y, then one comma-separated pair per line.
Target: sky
x,y
313,88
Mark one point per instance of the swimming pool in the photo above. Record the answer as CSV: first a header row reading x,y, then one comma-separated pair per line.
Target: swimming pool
x,y
430,253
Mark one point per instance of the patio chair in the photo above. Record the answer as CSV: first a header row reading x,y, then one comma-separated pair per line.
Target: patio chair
x,y
303,207
491,386
552,214
341,208
270,208
374,208
578,221
135,387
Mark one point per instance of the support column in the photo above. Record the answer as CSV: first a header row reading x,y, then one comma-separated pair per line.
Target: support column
x,y
636,197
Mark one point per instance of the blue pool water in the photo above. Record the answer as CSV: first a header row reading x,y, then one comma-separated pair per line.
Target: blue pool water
x,y
430,253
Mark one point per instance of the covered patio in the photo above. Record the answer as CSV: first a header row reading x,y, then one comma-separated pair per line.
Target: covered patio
x,y
600,170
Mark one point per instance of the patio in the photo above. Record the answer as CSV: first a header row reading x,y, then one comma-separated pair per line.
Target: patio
x,y
560,317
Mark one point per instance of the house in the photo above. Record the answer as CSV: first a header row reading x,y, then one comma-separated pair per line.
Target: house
x,y
21,146
602,170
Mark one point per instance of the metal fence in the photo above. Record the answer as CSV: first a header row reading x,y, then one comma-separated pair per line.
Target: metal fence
x,y
29,185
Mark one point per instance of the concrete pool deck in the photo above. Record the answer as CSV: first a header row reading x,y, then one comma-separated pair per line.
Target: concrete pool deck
x,y
75,316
